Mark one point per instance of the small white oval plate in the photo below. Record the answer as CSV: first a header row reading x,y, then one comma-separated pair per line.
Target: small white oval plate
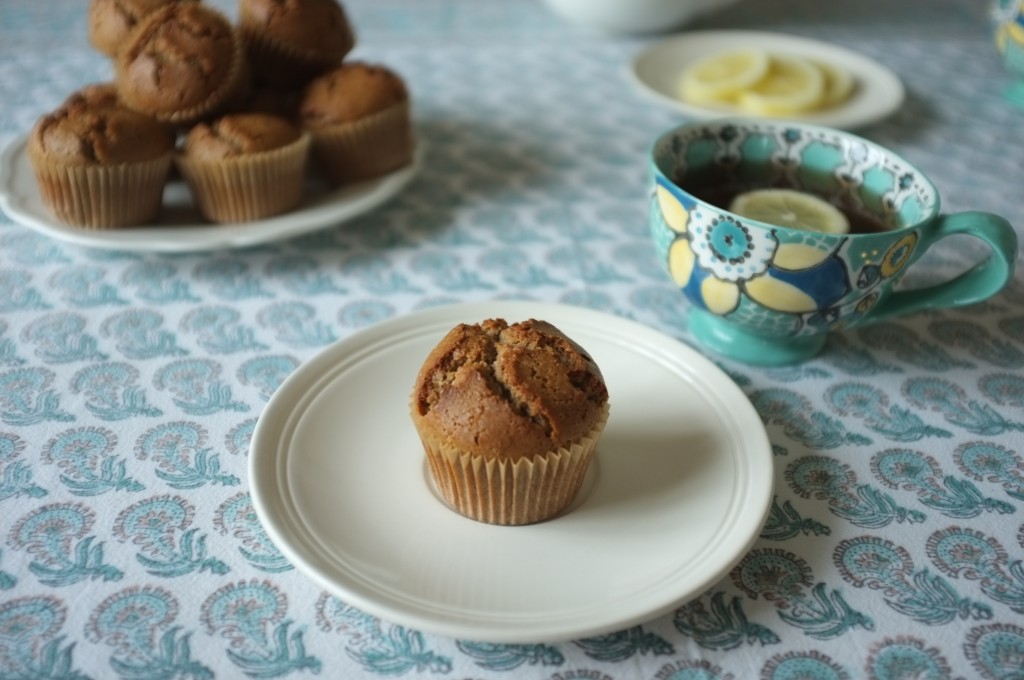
x,y
181,228
682,486
658,70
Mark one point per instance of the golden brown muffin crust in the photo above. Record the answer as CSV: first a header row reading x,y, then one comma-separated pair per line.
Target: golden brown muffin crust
x,y
93,96
267,100
315,29
106,135
503,390
177,58
239,134
110,21
350,92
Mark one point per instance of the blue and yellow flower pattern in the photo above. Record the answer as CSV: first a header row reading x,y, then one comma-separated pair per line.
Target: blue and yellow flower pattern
x,y
717,260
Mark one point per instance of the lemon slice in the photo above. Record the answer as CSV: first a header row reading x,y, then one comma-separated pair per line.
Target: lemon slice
x,y
792,85
720,101
790,208
838,84
717,78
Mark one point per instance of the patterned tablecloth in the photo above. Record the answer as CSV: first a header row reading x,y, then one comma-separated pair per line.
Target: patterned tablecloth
x,y
130,383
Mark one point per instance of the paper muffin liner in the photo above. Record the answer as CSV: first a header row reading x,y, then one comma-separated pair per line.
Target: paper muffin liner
x,y
250,187
102,196
365,148
234,85
282,66
508,492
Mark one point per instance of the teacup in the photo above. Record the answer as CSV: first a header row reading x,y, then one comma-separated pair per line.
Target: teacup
x,y
1009,37
765,294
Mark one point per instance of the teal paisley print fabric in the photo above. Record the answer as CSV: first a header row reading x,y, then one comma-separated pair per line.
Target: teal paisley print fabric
x,y
131,383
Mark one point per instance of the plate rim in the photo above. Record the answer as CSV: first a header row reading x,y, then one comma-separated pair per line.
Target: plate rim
x,y
267,502
330,209
887,81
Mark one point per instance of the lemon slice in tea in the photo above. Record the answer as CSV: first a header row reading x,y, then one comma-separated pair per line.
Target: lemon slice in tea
x,y
792,85
790,208
717,78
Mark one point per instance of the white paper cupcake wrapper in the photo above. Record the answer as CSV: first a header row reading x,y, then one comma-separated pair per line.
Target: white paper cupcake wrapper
x,y
103,196
366,148
250,187
507,492
280,65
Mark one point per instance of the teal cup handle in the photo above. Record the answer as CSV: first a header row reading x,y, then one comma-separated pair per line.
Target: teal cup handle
x,y
980,282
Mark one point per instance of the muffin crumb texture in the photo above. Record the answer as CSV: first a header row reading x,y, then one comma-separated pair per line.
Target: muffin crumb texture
x,y
177,60
509,391
111,21
103,135
351,92
315,29
239,134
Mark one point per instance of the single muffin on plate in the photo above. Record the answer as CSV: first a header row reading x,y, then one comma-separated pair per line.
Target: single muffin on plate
x,y
181,63
360,118
244,166
288,42
101,166
509,416
110,21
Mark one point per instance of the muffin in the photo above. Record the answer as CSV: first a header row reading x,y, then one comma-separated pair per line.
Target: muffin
x,y
181,64
262,99
509,416
94,95
100,166
244,166
360,119
110,21
288,42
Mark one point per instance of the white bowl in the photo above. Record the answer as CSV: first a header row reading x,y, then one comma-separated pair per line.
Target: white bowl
x,y
633,16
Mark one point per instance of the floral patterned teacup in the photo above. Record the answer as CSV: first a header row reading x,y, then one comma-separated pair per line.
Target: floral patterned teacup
x,y
766,294
1009,36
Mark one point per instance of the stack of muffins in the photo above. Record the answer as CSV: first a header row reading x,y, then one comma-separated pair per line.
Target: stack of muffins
x,y
238,108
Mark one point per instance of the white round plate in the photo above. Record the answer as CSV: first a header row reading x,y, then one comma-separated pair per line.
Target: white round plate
x,y
658,71
681,486
181,228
